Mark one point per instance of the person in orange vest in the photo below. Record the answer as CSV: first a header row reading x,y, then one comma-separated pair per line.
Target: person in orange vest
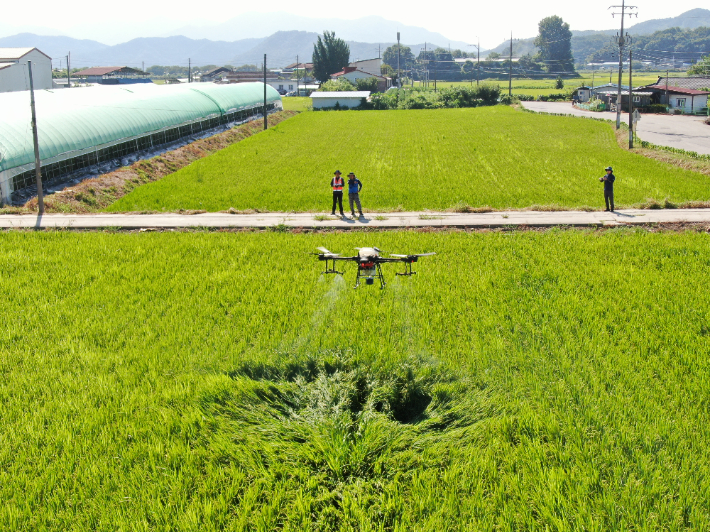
x,y
337,184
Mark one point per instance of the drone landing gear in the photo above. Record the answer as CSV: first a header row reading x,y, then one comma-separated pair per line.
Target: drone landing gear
x,y
371,272
332,267
407,269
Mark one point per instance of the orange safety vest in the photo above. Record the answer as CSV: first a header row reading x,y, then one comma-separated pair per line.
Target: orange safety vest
x,y
337,183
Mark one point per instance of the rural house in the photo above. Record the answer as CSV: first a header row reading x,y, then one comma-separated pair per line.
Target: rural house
x,y
366,69
116,75
216,74
13,69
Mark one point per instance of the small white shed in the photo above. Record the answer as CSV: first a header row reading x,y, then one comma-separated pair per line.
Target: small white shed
x,y
342,99
13,69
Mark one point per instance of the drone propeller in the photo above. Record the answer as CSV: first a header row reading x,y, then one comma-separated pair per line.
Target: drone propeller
x,y
413,255
326,252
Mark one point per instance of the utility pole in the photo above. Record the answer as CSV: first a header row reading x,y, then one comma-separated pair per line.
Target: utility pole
x,y
189,70
621,40
478,65
510,67
426,84
667,102
68,70
435,70
298,77
631,105
38,171
265,114
399,81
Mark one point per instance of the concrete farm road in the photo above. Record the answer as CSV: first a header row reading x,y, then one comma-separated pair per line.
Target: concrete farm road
x,y
373,220
686,132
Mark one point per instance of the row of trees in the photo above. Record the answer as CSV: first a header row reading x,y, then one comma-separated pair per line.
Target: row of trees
x,y
331,54
674,45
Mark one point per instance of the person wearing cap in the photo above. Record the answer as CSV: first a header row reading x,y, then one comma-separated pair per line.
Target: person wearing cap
x,y
354,188
608,180
337,184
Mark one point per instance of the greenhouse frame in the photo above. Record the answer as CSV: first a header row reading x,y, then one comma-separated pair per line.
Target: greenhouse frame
x,y
84,127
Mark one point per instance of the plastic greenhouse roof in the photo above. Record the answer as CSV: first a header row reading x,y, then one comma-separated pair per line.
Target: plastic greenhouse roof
x,y
82,118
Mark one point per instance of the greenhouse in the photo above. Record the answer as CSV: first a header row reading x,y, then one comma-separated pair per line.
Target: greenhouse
x,y
83,127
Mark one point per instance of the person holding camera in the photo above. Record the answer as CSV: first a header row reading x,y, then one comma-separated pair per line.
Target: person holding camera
x,y
608,181
354,188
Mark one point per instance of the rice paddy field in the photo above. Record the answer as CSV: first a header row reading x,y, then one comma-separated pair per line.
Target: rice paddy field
x,y
421,159
190,381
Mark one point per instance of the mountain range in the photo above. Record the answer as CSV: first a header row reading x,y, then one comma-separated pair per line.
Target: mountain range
x,y
241,41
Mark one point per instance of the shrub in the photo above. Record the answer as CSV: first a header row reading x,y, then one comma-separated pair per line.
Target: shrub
x,y
366,84
333,85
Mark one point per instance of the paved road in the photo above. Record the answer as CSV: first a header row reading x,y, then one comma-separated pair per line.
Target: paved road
x,y
383,221
678,131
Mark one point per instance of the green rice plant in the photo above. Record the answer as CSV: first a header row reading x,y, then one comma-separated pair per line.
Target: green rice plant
x,y
492,157
218,381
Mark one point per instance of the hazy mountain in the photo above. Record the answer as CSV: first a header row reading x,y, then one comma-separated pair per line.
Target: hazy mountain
x,y
152,50
175,51
10,29
371,29
282,48
57,46
695,18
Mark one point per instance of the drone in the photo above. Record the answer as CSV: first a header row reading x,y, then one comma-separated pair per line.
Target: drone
x,y
368,263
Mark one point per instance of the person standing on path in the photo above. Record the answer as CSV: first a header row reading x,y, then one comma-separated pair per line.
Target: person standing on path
x,y
608,180
337,184
354,188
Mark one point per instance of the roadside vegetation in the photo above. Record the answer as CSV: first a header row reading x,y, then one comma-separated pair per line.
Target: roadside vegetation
x,y
495,157
216,381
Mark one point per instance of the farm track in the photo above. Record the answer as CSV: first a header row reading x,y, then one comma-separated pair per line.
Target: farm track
x,y
283,220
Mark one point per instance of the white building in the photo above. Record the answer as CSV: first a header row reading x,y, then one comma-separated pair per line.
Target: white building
x,y
342,99
13,69
371,66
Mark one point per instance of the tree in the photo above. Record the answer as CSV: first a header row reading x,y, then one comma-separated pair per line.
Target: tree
x,y
387,71
330,55
493,55
555,43
701,68
406,57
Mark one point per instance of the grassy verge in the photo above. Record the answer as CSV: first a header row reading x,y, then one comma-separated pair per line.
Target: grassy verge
x,y
215,381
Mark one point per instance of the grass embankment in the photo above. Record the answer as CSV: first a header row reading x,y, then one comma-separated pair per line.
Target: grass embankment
x,y
213,381
412,160
92,195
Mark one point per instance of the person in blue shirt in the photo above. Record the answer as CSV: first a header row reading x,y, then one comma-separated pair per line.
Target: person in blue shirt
x,y
608,180
354,188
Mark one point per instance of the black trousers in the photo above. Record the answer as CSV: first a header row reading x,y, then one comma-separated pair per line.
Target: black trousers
x,y
338,198
609,199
